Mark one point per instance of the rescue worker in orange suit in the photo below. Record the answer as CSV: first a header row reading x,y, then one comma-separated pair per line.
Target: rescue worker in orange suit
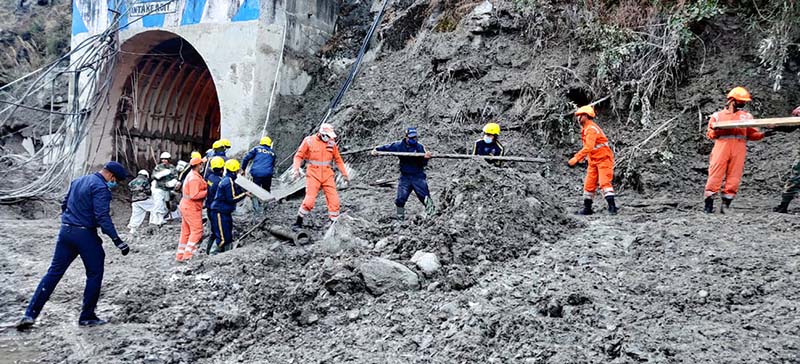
x,y
319,151
730,149
225,200
185,172
194,191
601,162
217,165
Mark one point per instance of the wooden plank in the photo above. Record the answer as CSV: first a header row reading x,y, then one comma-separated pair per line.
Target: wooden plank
x,y
464,156
253,188
284,191
792,121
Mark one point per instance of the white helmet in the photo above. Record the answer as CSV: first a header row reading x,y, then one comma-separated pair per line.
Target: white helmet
x,y
181,165
327,129
144,173
166,155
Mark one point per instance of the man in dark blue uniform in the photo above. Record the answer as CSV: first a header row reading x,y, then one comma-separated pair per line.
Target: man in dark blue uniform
x,y
489,144
218,149
225,199
217,169
263,159
412,173
85,208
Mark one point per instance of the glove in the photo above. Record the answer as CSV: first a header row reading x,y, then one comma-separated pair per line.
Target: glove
x,y
122,246
769,133
295,173
572,163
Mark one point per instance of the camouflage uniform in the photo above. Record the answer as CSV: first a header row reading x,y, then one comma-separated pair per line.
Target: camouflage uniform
x,y
141,203
793,184
161,193
792,187
162,182
140,188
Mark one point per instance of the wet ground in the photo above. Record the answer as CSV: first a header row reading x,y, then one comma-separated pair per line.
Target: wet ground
x,y
661,282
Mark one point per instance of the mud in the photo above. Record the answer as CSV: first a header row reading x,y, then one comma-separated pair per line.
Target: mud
x,y
659,284
521,280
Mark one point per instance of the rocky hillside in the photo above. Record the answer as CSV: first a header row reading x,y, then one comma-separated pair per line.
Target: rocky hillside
x,y
32,33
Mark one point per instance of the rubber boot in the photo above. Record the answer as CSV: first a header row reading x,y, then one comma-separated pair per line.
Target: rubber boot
x,y
25,323
430,209
612,205
92,322
298,224
587,208
726,204
784,206
709,208
401,213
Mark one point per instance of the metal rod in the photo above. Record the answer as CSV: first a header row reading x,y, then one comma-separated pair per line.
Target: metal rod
x,y
464,156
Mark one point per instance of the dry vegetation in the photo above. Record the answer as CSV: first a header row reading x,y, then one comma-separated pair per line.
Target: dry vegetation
x,y
32,35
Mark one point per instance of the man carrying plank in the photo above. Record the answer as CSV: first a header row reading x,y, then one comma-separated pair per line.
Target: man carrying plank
x,y
730,149
412,173
793,184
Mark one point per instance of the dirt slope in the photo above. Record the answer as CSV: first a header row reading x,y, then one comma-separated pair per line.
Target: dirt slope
x,y
655,284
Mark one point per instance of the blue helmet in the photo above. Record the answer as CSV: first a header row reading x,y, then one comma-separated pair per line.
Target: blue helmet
x,y
411,132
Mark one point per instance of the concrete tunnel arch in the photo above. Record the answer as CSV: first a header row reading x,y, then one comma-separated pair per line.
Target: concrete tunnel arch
x,y
167,101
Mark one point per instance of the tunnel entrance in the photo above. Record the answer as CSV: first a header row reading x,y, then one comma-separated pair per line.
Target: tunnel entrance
x,y
168,101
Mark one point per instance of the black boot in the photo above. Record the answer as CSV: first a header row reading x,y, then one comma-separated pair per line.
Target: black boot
x,y
726,204
709,209
784,206
25,323
298,224
587,208
612,205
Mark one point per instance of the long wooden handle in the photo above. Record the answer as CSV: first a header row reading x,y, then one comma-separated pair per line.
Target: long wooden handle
x,y
754,123
464,156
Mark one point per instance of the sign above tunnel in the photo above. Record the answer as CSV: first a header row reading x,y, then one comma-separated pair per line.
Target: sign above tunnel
x,y
152,8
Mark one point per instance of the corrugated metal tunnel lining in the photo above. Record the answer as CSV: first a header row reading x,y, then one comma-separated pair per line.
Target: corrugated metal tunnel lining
x,y
168,101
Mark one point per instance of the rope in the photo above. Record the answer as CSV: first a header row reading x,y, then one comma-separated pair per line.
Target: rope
x,y
277,75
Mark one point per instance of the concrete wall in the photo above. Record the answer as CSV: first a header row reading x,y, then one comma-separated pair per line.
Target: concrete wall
x,y
239,40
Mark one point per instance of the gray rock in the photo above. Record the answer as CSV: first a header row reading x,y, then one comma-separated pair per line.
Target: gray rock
x,y
383,275
428,263
342,236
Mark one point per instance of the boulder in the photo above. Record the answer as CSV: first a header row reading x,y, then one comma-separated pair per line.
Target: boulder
x,y
383,275
428,263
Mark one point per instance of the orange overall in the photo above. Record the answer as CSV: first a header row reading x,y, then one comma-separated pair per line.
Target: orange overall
x,y
194,194
601,160
730,149
319,157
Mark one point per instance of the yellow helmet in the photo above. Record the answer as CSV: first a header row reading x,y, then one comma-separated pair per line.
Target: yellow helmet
x,y
217,144
197,155
492,129
225,142
740,94
232,165
217,162
266,141
585,110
